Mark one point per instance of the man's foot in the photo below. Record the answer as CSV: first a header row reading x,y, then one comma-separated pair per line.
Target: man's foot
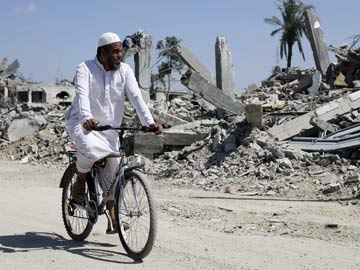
x,y
78,191
114,229
111,231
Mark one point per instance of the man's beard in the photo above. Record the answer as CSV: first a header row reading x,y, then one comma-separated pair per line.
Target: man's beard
x,y
112,65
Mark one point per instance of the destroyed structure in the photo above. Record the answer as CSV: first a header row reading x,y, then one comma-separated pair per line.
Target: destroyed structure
x,y
295,135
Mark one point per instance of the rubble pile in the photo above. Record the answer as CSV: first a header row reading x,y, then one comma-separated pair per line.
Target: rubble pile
x,y
186,109
284,97
251,162
32,125
46,142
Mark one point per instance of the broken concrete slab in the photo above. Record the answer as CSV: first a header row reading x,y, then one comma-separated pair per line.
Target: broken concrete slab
x,y
198,84
176,137
149,144
322,125
327,112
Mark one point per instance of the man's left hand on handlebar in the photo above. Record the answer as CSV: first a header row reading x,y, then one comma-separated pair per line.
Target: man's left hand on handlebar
x,y
159,128
90,124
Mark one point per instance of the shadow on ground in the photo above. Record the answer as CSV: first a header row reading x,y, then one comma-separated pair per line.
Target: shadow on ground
x,y
33,241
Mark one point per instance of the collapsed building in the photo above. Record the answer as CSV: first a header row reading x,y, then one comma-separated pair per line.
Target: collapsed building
x,y
16,90
296,134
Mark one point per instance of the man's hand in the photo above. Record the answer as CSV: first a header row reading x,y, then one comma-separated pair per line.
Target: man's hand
x,y
159,128
90,124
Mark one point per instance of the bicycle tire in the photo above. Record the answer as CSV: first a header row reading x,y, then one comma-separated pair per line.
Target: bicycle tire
x,y
149,243
69,174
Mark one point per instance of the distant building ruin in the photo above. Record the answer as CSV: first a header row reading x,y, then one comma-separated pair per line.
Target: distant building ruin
x,y
51,94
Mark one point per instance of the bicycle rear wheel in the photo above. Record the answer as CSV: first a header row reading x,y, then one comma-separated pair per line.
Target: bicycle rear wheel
x,y
135,215
75,216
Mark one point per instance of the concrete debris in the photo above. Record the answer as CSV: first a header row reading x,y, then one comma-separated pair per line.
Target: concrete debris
x,y
257,164
34,137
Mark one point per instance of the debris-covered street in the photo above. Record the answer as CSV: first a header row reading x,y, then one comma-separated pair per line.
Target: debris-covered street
x,y
196,230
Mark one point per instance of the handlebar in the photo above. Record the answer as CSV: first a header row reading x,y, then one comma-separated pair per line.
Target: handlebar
x,y
122,128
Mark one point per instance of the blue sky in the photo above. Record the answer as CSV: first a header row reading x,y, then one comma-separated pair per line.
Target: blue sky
x,y
50,38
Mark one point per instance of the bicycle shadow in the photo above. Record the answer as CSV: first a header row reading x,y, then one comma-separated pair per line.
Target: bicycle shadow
x,y
32,241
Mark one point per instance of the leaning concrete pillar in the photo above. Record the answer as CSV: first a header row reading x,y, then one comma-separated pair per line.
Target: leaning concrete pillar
x,y
224,67
316,37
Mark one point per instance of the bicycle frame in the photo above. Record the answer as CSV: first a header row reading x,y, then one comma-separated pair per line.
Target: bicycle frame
x,y
135,210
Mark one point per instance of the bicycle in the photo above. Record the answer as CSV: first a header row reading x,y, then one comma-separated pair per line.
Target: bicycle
x,y
134,204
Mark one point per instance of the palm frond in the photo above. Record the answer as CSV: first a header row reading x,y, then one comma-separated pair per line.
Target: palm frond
x,y
275,31
274,21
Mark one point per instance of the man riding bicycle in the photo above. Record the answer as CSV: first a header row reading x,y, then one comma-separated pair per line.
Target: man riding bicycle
x,y
101,85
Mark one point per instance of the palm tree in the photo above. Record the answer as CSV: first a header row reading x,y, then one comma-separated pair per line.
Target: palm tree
x,y
292,26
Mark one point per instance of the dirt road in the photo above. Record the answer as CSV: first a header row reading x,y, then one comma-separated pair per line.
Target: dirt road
x,y
196,230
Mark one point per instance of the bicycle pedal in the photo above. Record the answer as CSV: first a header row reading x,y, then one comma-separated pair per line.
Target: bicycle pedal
x,y
76,202
126,226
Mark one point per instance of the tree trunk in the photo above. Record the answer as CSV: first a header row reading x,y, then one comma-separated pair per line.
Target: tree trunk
x,y
290,47
168,87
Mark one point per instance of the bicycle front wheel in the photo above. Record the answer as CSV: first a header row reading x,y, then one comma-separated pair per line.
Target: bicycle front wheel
x,y
135,215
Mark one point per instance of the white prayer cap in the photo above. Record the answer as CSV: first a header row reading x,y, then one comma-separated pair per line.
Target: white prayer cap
x,y
108,38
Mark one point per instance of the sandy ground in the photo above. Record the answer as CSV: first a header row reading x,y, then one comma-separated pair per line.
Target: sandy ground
x,y
196,230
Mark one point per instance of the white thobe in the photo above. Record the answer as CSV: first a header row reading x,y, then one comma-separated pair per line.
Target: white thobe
x,y
100,94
